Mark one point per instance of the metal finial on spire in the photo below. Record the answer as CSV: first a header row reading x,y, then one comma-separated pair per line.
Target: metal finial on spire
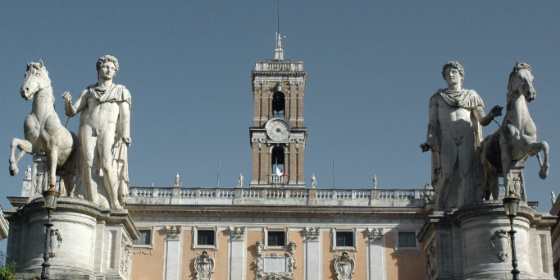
x,y
278,16
278,52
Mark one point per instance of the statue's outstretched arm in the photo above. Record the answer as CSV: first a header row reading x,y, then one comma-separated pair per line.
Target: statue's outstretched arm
x,y
72,110
484,119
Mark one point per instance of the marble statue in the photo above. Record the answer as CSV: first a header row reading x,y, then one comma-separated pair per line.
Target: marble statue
x,y
375,182
240,181
515,140
104,133
44,134
454,135
313,181
28,173
259,247
177,179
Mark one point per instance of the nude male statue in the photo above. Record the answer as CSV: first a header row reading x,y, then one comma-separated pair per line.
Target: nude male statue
x,y
454,135
104,128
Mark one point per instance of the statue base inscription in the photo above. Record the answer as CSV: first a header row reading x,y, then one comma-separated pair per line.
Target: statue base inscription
x,y
86,242
473,243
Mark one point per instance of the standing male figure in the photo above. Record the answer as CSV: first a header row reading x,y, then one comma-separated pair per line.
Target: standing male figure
x,y
104,128
454,136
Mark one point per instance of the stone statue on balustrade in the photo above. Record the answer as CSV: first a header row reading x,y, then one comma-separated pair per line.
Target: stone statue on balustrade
x,y
104,133
45,138
240,181
454,137
313,181
504,152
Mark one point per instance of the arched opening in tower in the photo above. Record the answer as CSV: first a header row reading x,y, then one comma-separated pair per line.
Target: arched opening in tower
x,y
278,105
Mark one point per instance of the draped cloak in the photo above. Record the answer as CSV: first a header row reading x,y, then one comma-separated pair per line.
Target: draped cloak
x,y
466,99
115,93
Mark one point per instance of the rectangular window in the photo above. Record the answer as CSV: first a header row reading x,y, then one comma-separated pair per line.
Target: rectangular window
x,y
145,238
407,239
344,239
206,238
276,238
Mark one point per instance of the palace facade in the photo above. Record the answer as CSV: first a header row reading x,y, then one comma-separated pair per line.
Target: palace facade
x,y
277,227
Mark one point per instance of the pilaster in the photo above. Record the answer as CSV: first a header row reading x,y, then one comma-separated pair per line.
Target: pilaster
x,y
377,268
172,253
313,256
237,253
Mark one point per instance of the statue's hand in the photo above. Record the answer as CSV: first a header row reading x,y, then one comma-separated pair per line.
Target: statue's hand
x,y
425,147
67,97
496,111
127,141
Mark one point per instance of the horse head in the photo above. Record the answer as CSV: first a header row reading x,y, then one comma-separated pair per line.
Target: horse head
x,y
36,78
521,81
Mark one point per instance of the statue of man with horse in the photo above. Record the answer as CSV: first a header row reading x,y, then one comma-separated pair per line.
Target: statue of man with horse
x,y
98,156
454,135
104,134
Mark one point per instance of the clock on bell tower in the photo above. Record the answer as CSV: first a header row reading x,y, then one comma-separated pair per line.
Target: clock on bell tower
x,y
278,135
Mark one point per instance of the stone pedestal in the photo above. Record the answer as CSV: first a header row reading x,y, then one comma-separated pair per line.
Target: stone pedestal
x,y
472,243
86,242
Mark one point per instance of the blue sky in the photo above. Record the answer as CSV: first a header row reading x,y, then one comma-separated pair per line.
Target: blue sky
x,y
372,66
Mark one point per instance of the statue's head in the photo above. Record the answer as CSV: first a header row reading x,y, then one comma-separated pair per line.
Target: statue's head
x,y
456,65
107,58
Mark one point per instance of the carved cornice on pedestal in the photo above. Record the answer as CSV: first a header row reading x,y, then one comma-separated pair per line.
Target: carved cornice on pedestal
x,y
374,234
312,233
431,262
126,256
173,232
237,233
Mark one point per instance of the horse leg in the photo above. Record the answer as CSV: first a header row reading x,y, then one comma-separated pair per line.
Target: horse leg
x,y
535,149
487,176
25,147
543,173
490,182
506,162
52,157
69,184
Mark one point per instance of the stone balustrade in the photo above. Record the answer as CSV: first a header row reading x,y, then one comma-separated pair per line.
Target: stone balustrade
x,y
279,66
280,196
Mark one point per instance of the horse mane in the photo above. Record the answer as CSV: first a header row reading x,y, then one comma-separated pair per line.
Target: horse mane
x,y
38,66
518,66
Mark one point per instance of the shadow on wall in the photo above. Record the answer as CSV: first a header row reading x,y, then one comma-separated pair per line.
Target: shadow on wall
x,y
410,264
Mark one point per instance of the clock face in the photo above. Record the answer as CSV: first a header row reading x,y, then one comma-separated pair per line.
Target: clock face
x,y
278,130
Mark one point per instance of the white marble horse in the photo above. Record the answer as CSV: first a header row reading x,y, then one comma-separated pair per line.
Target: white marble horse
x,y
516,139
44,134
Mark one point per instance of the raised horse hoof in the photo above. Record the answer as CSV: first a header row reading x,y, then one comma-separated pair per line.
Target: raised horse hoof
x,y
13,170
543,173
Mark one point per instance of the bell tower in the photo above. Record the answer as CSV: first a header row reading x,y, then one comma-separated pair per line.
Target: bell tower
x,y
278,135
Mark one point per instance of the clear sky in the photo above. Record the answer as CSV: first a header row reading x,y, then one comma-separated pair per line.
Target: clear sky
x,y
372,66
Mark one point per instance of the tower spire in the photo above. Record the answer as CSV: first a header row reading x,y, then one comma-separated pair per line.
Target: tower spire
x,y
278,52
